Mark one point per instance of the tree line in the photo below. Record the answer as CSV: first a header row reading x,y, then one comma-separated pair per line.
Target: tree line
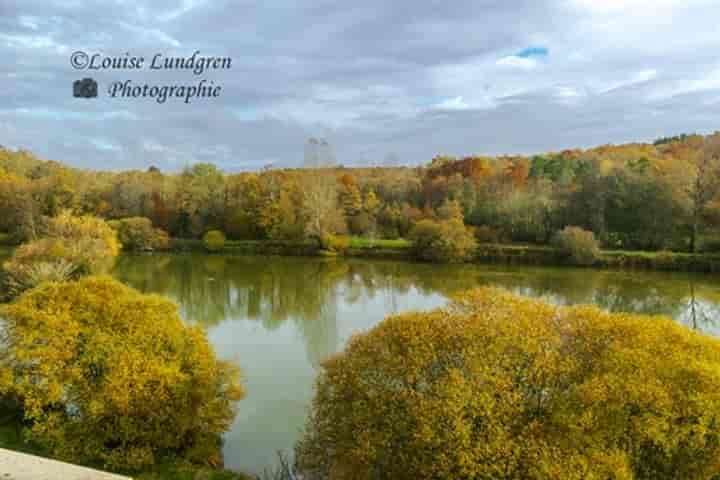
x,y
635,196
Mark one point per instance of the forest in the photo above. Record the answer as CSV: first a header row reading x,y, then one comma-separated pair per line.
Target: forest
x,y
96,372
638,196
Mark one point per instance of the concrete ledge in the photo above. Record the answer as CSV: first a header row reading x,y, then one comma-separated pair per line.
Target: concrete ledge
x,y
21,466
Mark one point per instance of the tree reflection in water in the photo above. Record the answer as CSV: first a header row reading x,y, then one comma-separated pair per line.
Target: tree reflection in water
x,y
272,290
280,316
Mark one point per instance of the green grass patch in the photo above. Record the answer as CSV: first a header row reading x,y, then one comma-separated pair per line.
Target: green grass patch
x,y
363,242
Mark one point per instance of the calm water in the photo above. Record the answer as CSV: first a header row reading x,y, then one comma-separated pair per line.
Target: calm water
x,y
279,317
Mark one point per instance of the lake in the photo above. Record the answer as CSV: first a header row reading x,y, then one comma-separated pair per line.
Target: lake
x,y
278,317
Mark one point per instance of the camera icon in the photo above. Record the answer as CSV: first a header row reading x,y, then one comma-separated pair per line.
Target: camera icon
x,y
85,88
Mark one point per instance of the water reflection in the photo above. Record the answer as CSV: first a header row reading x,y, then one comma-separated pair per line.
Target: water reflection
x,y
279,317
213,289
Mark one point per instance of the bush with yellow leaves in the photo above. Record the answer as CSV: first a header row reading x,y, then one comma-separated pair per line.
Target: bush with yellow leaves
x,y
72,247
496,386
107,374
214,241
448,241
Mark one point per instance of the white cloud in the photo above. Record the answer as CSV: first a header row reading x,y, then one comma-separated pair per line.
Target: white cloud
x,y
104,144
187,6
151,34
28,41
370,74
567,92
456,103
29,21
644,76
616,6
707,81
518,62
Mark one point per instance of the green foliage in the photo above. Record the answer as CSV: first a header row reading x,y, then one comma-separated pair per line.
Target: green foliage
x,y
107,374
362,242
677,138
5,240
138,234
485,234
360,223
201,194
214,241
444,241
579,245
181,471
501,387
711,245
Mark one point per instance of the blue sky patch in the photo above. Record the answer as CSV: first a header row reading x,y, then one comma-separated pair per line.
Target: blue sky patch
x,y
533,52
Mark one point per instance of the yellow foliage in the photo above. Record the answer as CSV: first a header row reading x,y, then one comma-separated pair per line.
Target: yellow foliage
x,y
108,374
214,240
496,386
72,247
444,241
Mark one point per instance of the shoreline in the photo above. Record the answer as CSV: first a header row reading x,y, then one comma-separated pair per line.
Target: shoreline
x,y
491,254
487,254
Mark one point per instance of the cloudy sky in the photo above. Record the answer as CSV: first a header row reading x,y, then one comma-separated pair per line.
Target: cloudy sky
x,y
416,78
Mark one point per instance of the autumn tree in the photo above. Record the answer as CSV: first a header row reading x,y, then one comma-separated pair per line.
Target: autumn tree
x,y
290,222
138,234
496,386
350,196
578,245
19,212
450,210
243,203
202,189
703,183
443,241
321,205
107,374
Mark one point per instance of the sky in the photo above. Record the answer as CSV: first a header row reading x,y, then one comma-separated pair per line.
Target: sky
x,y
413,78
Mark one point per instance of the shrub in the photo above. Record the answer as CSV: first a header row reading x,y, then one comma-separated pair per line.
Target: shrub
x,y
360,224
26,277
138,234
485,234
334,243
710,246
579,245
503,387
214,241
111,375
5,239
445,241
73,247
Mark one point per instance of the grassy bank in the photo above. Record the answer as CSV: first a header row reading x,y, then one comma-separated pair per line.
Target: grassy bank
x,y
616,259
357,247
486,253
